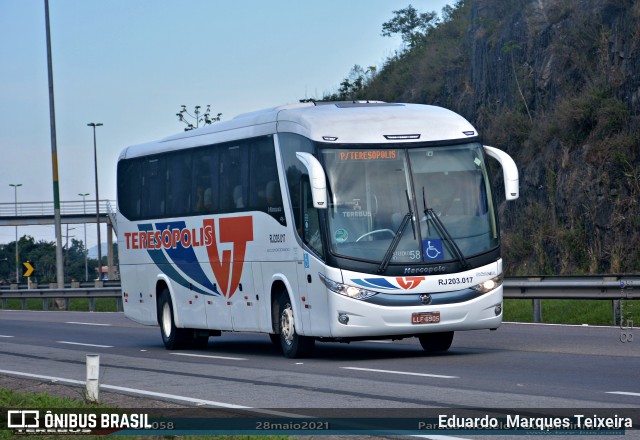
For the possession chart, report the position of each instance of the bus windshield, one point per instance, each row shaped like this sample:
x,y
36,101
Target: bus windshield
x,y
443,190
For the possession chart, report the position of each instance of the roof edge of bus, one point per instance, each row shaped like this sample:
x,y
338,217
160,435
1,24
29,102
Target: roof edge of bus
x,y
294,118
268,115
274,110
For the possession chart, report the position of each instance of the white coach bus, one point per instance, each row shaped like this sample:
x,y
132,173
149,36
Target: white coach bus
x,y
334,221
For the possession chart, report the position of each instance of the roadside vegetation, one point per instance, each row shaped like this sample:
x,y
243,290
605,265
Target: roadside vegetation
x,y
42,256
43,401
566,311
75,304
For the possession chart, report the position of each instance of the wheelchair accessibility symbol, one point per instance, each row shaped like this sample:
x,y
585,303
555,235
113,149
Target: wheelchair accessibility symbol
x,y
432,250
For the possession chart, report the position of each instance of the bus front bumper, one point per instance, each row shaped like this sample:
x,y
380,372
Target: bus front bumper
x,y
356,318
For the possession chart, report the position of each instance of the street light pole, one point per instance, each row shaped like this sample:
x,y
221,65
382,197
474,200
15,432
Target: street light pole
x,y
54,156
86,250
95,164
15,193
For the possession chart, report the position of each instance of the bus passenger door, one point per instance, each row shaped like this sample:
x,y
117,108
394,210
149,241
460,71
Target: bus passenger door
x,y
314,305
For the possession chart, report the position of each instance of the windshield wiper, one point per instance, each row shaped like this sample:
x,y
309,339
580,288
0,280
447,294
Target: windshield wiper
x,y
442,230
396,239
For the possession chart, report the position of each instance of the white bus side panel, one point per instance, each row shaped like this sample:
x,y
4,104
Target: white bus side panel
x,y
315,309
134,308
208,264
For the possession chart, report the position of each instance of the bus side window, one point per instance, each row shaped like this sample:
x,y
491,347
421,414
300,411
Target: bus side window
x,y
205,182
311,219
178,197
234,176
153,187
129,185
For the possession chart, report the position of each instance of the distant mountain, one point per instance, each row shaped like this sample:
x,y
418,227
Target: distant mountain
x,y
93,251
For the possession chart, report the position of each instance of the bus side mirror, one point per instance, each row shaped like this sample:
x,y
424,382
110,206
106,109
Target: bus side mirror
x,y
317,179
509,170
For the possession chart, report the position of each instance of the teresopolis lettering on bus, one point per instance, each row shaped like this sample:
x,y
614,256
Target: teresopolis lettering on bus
x,y
177,241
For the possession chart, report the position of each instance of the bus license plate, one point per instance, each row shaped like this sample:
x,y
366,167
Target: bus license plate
x,y
425,318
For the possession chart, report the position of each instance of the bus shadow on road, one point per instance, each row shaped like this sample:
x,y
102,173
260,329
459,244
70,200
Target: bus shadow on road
x,y
258,345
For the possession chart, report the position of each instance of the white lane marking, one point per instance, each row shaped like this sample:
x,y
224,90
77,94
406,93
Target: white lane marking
x,y
85,345
5,336
378,341
87,323
174,397
440,437
209,356
623,393
198,402
407,373
129,390
544,324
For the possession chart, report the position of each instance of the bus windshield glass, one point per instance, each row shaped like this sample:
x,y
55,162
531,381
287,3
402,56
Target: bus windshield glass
x,y
372,190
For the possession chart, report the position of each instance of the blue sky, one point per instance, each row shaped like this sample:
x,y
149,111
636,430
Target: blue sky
x,y
131,64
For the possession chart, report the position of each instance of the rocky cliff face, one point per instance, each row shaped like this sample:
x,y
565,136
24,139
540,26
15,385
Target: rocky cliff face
x,y
557,85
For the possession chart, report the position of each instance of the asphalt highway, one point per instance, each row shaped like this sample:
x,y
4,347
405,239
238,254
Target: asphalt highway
x,y
517,366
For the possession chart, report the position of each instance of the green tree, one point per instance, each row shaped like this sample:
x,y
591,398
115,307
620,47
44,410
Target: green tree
x,y
352,86
413,26
42,255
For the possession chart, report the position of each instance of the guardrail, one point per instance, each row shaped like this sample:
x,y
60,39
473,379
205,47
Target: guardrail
x,y
611,287
573,287
62,297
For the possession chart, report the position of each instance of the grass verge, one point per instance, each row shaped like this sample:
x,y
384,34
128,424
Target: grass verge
x,y
568,311
17,400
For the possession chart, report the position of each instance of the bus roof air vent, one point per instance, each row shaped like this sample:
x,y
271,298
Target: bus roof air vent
x,y
401,137
352,104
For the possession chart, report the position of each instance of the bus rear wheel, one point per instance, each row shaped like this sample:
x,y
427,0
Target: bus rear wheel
x,y
173,338
435,342
293,345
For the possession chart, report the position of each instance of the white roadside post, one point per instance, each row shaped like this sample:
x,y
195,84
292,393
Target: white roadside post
x,y
93,376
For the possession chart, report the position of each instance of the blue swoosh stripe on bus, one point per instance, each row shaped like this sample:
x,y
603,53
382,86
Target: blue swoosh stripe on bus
x,y
163,264
376,283
185,257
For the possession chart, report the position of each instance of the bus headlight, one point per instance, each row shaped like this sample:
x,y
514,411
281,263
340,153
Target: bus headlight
x,y
343,289
489,285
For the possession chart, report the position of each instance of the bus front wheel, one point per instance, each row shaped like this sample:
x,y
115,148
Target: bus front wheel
x,y
173,338
435,342
293,345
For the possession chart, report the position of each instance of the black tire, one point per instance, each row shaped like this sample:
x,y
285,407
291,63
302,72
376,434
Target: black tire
x,y
173,338
435,342
293,345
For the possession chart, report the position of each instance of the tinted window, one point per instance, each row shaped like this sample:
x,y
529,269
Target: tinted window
x,y
154,182
129,184
230,177
233,187
178,186
205,190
